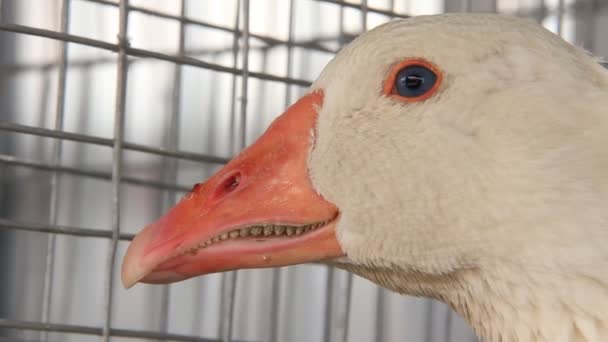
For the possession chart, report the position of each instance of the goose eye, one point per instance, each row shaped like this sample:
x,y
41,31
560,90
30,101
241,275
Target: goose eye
x,y
412,80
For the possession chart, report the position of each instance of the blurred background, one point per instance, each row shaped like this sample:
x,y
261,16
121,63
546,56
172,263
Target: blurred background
x,y
111,110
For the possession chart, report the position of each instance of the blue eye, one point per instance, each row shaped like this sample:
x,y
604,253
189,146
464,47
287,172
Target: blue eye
x,y
414,81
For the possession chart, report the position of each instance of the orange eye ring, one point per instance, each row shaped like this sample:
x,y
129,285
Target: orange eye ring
x,y
389,89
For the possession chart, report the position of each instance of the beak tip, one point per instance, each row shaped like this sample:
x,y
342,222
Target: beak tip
x,y
131,277
134,264
127,278
131,272
127,283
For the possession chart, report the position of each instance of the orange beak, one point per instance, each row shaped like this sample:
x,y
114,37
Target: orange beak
x,y
260,210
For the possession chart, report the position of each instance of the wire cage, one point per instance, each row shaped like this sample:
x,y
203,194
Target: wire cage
x,y
112,109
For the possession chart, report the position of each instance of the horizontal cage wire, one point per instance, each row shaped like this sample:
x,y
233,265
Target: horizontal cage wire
x,y
112,109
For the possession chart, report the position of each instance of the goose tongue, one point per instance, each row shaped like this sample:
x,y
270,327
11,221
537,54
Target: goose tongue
x,y
264,194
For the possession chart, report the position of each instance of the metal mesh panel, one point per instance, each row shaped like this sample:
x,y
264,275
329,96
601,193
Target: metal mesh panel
x,y
112,109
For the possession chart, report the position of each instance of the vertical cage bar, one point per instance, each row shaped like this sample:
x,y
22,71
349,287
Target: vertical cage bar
x,y
341,27
245,76
380,305
5,8
581,14
329,301
591,13
225,301
276,273
232,277
448,324
275,305
347,305
56,160
363,15
235,61
560,17
119,122
428,328
542,11
169,170
290,39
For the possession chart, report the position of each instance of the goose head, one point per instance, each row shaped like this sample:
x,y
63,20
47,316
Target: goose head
x,y
460,157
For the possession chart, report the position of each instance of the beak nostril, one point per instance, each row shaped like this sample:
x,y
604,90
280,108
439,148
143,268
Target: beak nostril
x,y
232,182
228,185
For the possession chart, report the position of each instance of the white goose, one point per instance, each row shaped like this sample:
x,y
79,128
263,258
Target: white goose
x,y
459,157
